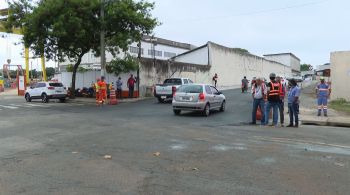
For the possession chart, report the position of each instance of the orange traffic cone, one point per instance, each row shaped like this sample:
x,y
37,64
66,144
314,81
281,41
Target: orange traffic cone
x,y
112,97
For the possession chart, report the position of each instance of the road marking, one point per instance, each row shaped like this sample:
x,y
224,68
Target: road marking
x,y
9,107
36,105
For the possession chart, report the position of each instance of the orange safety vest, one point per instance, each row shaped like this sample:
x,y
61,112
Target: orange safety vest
x,y
102,85
282,90
275,91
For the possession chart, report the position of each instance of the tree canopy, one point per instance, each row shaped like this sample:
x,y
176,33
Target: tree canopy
x,y
306,67
67,30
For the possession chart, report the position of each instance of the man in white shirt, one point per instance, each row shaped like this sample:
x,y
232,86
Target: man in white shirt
x,y
259,92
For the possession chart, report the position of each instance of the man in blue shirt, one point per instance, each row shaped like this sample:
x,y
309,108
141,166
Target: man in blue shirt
x,y
323,92
293,104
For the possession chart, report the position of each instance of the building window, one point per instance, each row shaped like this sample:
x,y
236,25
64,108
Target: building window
x,y
157,53
135,50
169,54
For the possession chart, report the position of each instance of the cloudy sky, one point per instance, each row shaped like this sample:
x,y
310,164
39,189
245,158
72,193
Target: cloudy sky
x,y
310,29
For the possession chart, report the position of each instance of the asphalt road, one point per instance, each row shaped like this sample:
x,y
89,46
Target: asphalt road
x,y
59,149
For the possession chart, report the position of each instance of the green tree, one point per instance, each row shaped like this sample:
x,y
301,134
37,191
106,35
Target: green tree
x,y
50,72
118,66
70,29
306,67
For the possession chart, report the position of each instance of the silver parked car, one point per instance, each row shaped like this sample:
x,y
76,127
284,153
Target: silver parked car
x,y
198,97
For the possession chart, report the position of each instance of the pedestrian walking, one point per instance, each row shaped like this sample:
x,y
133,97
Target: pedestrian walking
x,y
273,97
131,85
293,104
102,85
281,102
119,84
244,84
215,79
259,92
323,92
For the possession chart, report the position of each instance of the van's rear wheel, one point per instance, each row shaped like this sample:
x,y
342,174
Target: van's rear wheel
x,y
206,111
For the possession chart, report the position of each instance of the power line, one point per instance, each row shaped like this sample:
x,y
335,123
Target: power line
x,y
253,12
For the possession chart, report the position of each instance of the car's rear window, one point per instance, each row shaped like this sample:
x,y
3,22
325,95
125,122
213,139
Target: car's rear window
x,y
173,81
191,89
56,84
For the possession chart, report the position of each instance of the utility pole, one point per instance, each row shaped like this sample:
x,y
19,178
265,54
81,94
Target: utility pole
x,y
138,69
103,55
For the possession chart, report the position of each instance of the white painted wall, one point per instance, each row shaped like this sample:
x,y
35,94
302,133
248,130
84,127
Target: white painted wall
x,y
340,75
286,59
231,66
198,56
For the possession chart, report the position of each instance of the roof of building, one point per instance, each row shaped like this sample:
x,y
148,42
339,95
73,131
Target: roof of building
x,y
162,41
279,54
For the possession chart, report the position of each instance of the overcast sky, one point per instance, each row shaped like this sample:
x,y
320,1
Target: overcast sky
x,y
310,29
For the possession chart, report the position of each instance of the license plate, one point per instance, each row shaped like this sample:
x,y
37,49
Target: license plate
x,y
186,98
163,97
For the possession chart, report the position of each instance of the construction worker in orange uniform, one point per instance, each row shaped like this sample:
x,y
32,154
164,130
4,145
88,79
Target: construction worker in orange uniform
x,y
102,85
96,88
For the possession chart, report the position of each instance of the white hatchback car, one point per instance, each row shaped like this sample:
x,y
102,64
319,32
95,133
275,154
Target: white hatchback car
x,y
46,91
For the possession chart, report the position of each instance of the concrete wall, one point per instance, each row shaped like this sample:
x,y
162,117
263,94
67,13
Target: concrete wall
x,y
340,77
231,66
197,56
87,78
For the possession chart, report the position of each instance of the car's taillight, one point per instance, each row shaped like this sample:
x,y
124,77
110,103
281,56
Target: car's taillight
x,y
173,90
51,88
201,96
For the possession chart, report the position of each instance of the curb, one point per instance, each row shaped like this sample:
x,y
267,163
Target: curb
x,y
333,122
92,100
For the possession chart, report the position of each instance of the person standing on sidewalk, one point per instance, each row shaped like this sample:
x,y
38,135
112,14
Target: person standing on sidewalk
x,y
293,104
119,84
259,92
323,92
281,102
273,97
131,85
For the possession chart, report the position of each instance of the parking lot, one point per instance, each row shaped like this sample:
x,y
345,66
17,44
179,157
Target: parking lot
x,y
59,149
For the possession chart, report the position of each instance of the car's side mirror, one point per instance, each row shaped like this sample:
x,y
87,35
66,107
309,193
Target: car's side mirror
x,y
219,93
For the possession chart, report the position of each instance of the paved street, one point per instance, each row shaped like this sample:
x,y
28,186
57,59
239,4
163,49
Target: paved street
x,y
59,149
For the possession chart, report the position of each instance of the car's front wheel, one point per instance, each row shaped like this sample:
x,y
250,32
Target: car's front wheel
x,y
206,111
28,98
177,112
45,98
223,106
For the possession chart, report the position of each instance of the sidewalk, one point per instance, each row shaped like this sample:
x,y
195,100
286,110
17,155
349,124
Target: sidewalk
x,y
93,101
308,111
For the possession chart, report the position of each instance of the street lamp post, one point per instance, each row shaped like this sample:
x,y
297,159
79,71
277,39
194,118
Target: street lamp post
x,y
138,69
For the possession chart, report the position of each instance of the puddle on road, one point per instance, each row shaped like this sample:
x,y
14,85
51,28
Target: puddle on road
x,y
266,161
178,146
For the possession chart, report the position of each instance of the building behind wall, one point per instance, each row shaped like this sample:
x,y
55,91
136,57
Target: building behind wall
x,y
151,47
340,68
287,59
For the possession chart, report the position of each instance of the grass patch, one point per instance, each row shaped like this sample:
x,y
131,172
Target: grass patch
x,y
340,105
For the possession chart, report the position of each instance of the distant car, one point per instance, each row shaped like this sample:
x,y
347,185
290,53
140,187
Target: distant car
x,y
198,97
165,91
46,91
